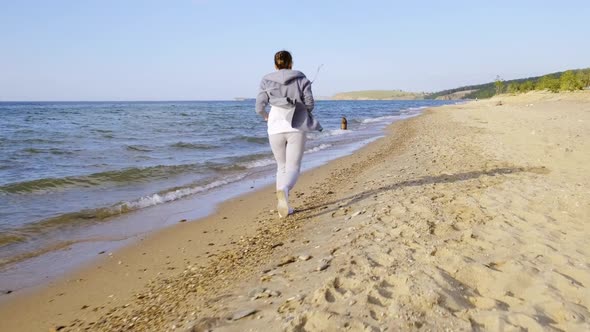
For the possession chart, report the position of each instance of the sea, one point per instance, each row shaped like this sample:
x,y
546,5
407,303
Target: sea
x,y
79,177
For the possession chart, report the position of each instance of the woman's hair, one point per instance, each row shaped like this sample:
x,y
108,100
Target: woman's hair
x,y
283,60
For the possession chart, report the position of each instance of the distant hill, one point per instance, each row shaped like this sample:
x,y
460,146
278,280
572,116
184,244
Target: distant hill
x,y
550,82
378,95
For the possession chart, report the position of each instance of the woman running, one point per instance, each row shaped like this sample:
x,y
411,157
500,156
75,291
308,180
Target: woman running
x,y
289,94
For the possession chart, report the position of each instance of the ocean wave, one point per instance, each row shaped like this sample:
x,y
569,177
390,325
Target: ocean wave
x,y
328,133
102,131
25,131
380,119
128,175
258,163
412,110
28,141
196,146
417,108
261,160
253,160
4,261
171,195
7,238
223,167
252,139
49,151
90,216
140,148
318,148
45,184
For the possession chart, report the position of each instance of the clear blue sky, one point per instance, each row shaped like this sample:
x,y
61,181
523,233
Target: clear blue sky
x,y
219,49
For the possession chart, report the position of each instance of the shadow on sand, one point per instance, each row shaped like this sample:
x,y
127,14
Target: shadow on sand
x,y
425,180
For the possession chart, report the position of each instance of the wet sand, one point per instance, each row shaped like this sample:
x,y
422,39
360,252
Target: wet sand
x,y
472,216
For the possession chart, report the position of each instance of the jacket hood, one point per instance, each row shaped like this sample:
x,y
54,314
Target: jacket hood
x,y
284,76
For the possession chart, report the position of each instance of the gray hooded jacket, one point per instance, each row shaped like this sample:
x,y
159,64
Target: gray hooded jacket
x,y
294,85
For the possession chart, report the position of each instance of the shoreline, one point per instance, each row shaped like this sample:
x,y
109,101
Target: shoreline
x,y
90,264
405,233
125,229
103,266
100,224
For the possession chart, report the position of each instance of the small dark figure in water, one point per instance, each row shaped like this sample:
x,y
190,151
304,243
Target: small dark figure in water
x,y
344,124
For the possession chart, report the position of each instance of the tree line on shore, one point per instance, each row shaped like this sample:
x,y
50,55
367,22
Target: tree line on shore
x,y
570,80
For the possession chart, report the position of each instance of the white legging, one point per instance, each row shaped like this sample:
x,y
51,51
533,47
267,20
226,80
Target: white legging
x,y
288,150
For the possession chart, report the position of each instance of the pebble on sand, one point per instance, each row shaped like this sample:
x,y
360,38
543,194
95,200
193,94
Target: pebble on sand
x,y
286,260
356,213
278,244
325,263
243,313
323,266
261,292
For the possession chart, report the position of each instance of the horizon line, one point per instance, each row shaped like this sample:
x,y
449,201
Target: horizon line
x,y
122,101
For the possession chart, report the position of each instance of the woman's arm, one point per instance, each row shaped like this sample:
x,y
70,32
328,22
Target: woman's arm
x,y
262,101
308,95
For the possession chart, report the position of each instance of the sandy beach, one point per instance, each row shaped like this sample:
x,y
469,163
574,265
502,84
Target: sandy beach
x,y
468,217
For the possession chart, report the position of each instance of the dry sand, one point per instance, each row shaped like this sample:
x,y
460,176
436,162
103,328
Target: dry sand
x,y
469,217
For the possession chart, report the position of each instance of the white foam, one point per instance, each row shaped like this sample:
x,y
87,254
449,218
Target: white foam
x,y
160,198
258,163
381,119
417,108
328,133
270,161
337,132
412,111
318,148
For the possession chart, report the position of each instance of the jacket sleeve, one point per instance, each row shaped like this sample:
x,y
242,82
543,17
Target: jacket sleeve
x,y
308,95
262,100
